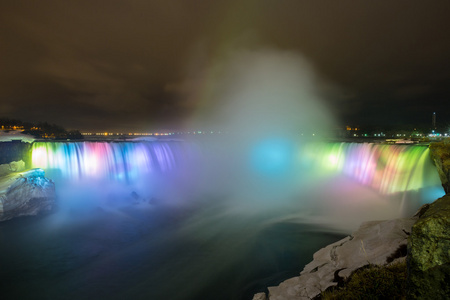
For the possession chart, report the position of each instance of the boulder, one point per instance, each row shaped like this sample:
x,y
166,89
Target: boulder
x,y
429,253
25,193
375,242
260,296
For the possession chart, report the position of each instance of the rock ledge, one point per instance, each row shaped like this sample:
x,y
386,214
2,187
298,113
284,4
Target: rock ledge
x,y
375,242
25,193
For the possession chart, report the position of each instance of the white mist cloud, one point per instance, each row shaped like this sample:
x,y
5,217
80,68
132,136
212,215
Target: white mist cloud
x,y
264,91
265,99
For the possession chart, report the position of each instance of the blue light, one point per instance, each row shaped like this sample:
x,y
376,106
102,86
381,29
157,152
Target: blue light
x,y
430,194
272,157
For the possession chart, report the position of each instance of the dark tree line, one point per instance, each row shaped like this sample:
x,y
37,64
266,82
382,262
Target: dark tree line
x,y
9,123
42,129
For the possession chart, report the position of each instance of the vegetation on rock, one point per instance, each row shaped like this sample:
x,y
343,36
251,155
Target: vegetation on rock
x,y
440,154
429,253
372,282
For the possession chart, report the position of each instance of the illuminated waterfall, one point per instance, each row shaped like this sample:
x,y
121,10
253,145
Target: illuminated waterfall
x,y
314,180
121,161
386,168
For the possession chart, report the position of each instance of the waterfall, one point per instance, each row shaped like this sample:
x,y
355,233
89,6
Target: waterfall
x,y
386,168
118,161
174,166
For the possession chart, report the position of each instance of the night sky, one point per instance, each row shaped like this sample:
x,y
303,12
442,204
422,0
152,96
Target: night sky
x,y
142,65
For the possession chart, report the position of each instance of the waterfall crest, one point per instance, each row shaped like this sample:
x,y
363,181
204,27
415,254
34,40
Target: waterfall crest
x,y
386,168
121,161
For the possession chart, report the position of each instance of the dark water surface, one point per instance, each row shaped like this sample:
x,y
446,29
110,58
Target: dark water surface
x,y
151,252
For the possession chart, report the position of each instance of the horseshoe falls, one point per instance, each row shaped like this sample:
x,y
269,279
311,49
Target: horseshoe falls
x,y
201,220
386,168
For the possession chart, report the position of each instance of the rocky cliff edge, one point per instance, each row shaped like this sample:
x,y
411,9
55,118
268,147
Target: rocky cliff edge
x,y
375,242
440,154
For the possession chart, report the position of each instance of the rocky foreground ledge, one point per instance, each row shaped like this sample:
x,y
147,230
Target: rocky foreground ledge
x,y
424,238
25,193
375,242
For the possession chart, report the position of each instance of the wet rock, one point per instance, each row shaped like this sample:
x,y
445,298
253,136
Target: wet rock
x,y
135,198
135,195
260,296
429,253
25,193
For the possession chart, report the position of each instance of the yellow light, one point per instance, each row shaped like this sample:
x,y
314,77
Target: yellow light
x,y
333,159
